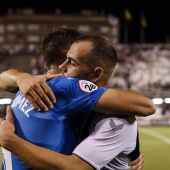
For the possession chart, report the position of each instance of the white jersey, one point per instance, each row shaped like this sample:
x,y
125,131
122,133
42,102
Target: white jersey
x,y
112,143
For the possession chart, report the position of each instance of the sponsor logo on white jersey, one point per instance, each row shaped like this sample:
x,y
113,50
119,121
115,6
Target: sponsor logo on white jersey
x,y
87,86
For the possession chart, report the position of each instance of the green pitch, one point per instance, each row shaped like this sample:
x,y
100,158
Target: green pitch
x,y
155,145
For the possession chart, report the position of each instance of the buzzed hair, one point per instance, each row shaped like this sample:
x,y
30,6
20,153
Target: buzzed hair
x,y
102,54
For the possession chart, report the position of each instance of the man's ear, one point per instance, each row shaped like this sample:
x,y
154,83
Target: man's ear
x,y
98,73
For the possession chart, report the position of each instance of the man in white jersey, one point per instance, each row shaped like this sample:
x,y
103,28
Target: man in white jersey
x,y
114,138
70,62
109,135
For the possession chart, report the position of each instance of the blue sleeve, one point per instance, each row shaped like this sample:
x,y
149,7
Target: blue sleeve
x,y
74,96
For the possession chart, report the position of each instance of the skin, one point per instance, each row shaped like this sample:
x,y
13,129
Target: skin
x,y
10,80
72,67
34,89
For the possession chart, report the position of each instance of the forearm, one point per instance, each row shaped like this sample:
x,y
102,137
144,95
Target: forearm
x,y
39,158
8,80
125,102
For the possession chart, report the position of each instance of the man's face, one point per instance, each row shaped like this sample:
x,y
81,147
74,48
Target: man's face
x,y
76,64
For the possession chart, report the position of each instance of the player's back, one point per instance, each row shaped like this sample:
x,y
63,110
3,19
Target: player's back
x,y
59,128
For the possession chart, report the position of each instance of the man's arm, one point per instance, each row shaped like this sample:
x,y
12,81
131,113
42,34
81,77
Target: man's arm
x,y
45,159
34,88
124,102
8,80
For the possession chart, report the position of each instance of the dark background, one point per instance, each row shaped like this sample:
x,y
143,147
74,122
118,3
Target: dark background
x,y
156,13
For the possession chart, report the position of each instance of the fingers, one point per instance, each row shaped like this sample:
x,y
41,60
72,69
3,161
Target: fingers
x,y
47,95
139,159
9,115
35,105
37,92
137,164
51,75
45,98
41,97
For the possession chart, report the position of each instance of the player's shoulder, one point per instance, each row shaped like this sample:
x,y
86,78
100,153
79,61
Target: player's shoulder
x,y
62,79
84,85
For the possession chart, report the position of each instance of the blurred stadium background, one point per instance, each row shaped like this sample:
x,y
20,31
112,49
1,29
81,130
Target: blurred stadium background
x,y
143,55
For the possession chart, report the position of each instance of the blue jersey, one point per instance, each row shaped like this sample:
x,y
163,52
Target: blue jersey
x,y
59,129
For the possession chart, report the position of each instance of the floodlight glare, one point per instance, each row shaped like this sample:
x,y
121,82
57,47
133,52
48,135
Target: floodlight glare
x,y
157,100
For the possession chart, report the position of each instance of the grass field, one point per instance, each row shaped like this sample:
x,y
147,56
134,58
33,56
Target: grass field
x,y
155,145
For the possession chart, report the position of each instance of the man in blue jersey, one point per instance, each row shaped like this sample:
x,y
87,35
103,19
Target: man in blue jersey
x,y
23,103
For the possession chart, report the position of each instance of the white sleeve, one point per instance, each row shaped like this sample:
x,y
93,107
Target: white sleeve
x,y
107,141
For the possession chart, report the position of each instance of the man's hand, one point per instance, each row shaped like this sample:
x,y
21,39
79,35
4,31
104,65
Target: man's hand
x,y
138,163
7,127
36,90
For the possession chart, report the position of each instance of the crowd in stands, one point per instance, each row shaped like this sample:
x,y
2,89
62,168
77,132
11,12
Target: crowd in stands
x,y
23,57
142,68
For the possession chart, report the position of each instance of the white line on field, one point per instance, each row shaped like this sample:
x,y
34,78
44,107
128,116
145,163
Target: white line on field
x,y
156,135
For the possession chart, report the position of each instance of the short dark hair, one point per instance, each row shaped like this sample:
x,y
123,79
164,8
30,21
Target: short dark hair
x,y
56,44
102,54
